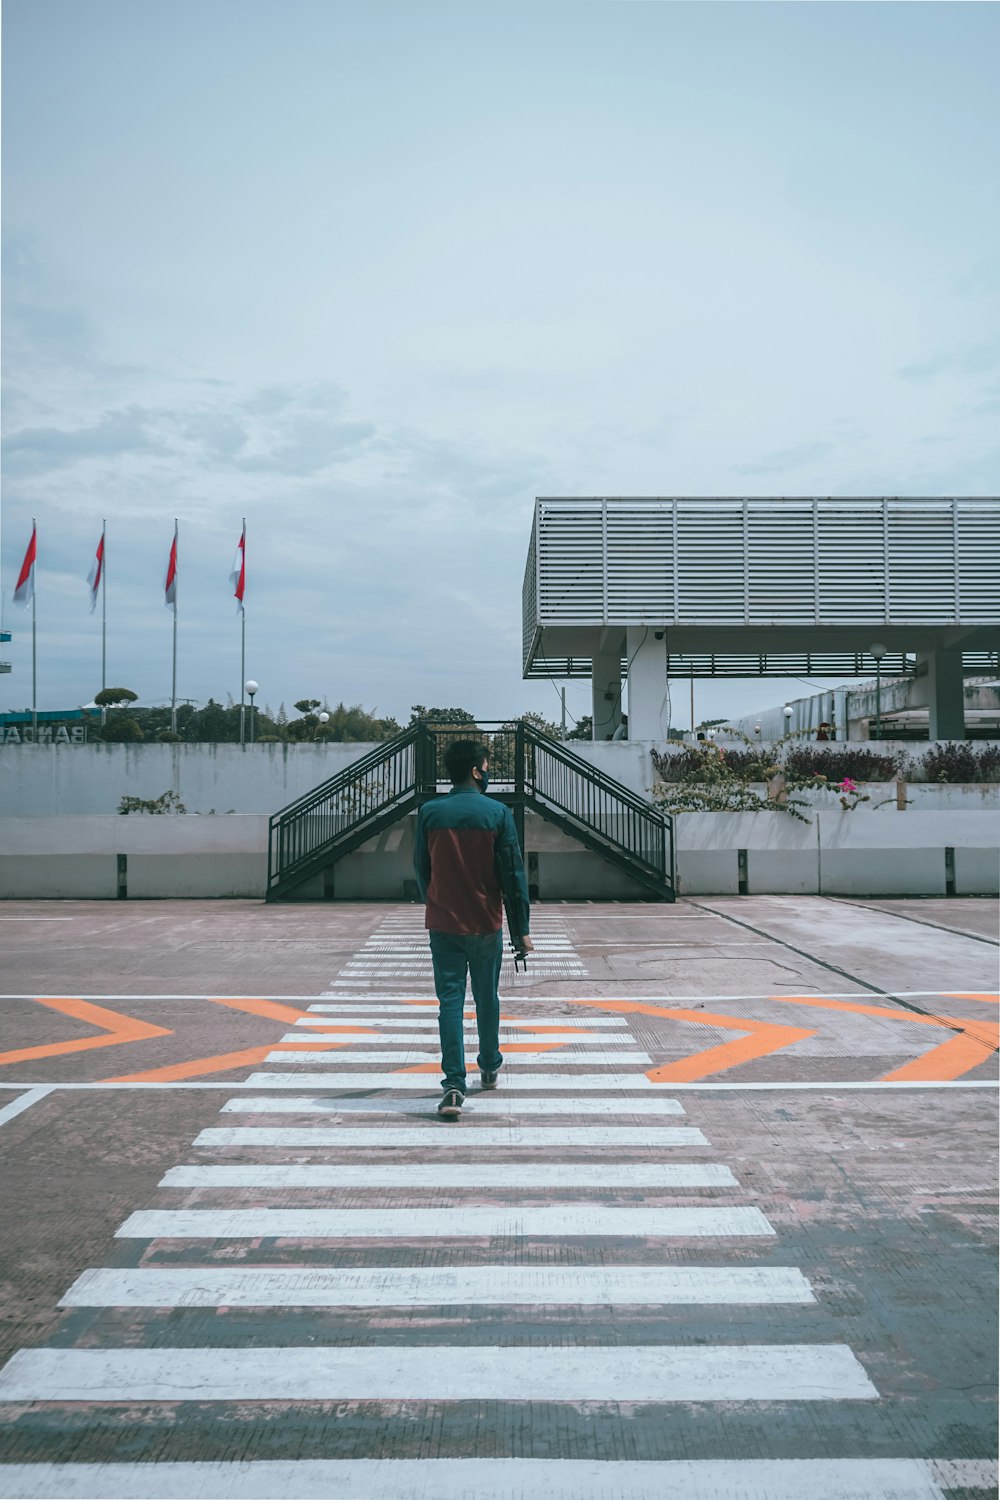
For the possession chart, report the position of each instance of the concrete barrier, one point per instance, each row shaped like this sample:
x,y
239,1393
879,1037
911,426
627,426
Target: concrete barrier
x,y
864,852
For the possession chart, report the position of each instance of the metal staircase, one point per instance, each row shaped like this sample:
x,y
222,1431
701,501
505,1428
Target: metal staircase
x,y
527,770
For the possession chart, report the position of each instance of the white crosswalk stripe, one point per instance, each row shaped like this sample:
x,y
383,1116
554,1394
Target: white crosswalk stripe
x,y
429,1286
434,1136
473,1222
622,1083
477,1105
762,1372
410,1055
528,1174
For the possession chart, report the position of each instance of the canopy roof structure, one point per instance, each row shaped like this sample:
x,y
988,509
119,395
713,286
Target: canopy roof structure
x,y
766,587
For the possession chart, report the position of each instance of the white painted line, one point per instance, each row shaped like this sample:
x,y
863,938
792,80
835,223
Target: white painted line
x,y
657,1373
38,919
418,1038
526,1023
437,1134
18,1106
606,1082
473,1221
564,1057
408,995
359,1008
433,1286
449,1175
476,1104
499,1479
280,1081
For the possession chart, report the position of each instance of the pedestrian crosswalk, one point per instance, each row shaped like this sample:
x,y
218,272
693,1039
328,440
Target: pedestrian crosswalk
x,y
494,1304
397,953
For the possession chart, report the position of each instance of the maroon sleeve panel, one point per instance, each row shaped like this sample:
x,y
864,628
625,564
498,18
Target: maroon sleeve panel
x,y
463,893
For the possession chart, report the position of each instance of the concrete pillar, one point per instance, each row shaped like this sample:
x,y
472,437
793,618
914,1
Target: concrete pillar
x,y
606,689
945,694
648,715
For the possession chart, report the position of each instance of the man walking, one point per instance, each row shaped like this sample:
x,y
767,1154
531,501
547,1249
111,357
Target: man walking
x,y
464,841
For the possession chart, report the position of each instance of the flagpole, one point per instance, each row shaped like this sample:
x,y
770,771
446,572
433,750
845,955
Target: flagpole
x,y
34,638
104,604
173,686
243,648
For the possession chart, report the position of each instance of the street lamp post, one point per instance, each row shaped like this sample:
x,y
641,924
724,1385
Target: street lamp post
x,y
878,651
788,711
324,719
251,688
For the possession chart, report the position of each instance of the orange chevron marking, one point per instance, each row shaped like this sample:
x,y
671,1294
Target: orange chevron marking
x,y
764,1037
950,1060
976,1040
271,1009
119,1029
225,1062
965,995
197,1067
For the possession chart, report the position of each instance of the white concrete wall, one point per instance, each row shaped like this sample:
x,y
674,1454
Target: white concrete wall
x,y
56,780
859,853
50,780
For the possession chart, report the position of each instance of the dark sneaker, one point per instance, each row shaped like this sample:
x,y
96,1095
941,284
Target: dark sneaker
x,y
489,1080
451,1104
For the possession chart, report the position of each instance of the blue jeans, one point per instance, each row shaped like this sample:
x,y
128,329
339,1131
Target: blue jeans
x,y
458,957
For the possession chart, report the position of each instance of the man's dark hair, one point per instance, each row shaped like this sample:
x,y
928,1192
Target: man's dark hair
x,y
460,758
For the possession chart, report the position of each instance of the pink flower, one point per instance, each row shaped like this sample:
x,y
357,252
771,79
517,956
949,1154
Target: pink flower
x,y
847,785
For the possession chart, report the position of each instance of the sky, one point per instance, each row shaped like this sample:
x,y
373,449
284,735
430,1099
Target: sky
x,y
375,274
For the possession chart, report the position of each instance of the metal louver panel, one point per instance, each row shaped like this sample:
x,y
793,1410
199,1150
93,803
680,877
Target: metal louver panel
x,y
711,583
762,562
781,563
640,560
978,564
571,567
922,564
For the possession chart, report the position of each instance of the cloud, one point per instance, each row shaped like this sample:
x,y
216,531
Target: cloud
x,y
786,458
36,449
974,359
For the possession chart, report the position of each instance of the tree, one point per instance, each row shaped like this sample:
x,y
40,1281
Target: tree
x,y
121,730
544,725
114,697
450,716
306,705
583,729
118,728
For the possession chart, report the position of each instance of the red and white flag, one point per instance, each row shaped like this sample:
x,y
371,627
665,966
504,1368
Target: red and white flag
x,y
24,591
170,582
238,577
96,575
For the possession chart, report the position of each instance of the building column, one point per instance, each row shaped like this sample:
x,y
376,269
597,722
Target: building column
x,y
606,690
945,694
647,684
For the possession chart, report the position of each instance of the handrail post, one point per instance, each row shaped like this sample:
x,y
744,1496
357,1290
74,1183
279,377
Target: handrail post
x,y
519,748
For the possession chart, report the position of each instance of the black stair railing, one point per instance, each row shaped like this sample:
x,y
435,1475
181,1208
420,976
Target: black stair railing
x,y
379,785
528,769
558,781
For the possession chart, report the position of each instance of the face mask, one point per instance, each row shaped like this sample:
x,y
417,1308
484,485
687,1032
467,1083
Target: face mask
x,y
484,780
